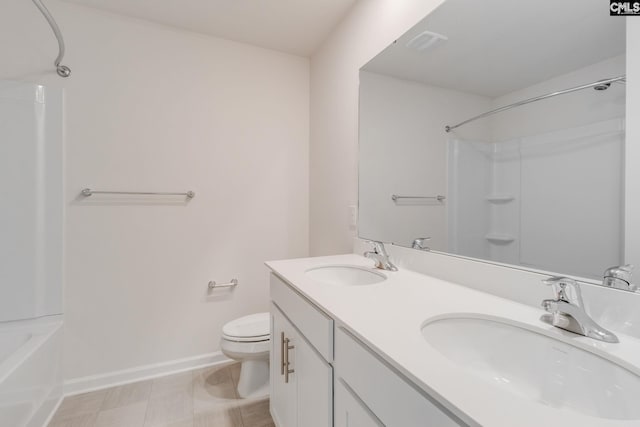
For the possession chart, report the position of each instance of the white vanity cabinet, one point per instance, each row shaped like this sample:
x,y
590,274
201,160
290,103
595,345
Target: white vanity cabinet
x,y
301,377
331,369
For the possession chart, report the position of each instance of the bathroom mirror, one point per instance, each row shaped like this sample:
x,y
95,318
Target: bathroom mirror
x,y
538,184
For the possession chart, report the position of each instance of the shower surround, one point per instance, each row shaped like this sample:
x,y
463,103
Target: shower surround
x,y
31,252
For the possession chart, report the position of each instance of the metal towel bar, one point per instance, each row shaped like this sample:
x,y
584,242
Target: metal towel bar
x,y
439,198
88,192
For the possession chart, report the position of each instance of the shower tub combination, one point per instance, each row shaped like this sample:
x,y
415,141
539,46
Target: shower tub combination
x,y
31,226
30,377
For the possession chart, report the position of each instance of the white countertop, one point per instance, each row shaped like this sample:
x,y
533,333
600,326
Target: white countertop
x,y
388,317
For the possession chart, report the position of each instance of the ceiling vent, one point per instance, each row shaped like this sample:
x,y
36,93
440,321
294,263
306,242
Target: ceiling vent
x,y
426,40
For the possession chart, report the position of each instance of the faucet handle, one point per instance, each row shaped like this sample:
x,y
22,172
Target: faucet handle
x,y
378,247
380,256
622,272
619,277
418,243
560,283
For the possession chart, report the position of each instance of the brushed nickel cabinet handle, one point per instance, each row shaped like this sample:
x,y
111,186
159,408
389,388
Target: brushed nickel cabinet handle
x,y
287,371
282,351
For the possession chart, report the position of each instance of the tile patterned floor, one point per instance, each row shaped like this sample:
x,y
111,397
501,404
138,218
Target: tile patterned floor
x,y
201,398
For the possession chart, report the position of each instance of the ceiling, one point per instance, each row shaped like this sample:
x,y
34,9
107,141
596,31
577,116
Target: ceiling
x,y
293,26
495,47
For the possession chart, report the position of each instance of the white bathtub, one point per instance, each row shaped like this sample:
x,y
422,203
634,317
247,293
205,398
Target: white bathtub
x,y
30,377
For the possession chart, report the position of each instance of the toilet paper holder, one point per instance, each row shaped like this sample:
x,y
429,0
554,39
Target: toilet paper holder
x,y
232,284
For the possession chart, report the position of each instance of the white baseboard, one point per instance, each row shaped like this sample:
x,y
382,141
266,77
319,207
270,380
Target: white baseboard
x,y
126,376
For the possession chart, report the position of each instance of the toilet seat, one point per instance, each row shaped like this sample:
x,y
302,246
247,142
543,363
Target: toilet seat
x,y
252,328
246,339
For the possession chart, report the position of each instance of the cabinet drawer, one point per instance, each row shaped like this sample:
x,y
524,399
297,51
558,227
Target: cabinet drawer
x,y
310,321
393,400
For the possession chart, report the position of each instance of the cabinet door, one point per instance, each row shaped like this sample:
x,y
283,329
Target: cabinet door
x,y
314,381
350,411
283,395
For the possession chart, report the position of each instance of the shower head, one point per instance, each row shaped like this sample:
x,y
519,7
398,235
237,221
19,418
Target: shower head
x,y
603,86
606,83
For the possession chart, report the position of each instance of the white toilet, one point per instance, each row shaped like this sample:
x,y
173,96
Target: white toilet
x,y
247,340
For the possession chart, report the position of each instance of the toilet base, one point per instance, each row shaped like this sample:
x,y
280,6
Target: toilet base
x,y
254,378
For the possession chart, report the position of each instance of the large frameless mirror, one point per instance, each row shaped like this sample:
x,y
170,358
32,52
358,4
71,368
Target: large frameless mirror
x,y
495,130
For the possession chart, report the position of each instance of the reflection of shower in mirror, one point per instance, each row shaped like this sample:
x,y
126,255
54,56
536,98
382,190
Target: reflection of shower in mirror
x,y
531,166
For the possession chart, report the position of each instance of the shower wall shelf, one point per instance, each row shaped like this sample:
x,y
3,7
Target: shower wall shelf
x,y
500,198
499,238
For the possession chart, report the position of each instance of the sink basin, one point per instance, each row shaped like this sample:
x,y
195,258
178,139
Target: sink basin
x,y
536,367
345,275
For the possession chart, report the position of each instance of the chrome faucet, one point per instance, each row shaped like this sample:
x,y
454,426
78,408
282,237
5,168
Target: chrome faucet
x,y
567,311
419,243
380,256
619,277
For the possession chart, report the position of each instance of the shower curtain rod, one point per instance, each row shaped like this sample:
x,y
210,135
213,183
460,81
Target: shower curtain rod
x,y
62,70
603,83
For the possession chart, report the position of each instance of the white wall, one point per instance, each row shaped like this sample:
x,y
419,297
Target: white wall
x,y
153,108
370,27
403,150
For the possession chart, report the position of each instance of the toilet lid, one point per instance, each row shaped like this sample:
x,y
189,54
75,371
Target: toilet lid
x,y
253,326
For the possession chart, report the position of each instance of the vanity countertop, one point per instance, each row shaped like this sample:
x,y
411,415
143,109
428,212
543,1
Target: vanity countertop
x,y
388,317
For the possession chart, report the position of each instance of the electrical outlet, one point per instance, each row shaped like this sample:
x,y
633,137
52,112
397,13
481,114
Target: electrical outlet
x,y
353,217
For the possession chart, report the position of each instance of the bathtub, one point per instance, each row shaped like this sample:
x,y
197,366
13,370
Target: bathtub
x,y
30,376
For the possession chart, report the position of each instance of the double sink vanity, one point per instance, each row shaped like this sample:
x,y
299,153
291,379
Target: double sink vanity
x,y
492,159
355,345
